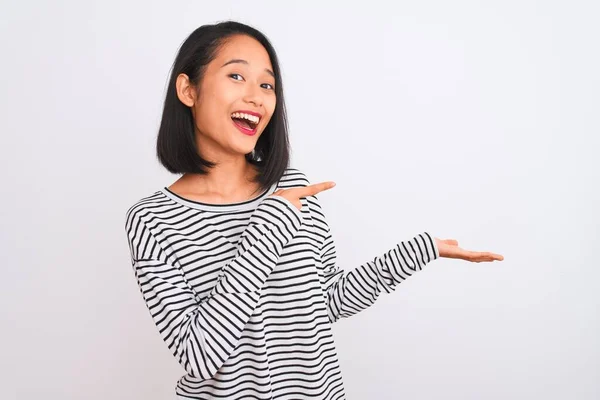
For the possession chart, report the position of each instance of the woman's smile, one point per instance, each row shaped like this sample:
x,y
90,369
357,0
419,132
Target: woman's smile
x,y
246,121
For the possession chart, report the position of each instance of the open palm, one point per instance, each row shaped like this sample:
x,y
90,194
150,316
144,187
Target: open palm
x,y
448,248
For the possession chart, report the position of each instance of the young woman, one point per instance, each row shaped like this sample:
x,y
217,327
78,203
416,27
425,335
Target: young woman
x,y
235,259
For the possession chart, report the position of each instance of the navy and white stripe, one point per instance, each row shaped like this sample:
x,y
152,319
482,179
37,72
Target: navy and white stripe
x,y
244,294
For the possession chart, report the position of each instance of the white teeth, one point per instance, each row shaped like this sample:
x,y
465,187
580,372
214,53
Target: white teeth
x,y
249,117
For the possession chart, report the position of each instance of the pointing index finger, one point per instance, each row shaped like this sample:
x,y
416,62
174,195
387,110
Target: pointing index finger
x,y
313,189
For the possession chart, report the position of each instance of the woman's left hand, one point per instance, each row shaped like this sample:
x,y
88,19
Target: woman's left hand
x,y
449,249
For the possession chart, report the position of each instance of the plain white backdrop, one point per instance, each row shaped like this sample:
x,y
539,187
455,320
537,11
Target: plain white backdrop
x,y
471,120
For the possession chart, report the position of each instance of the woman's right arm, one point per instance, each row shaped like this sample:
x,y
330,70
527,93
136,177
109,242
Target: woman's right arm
x,y
202,333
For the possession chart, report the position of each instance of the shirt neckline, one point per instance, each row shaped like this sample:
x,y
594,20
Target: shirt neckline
x,y
239,206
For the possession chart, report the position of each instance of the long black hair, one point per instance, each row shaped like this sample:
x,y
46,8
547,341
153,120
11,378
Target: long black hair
x,y
176,143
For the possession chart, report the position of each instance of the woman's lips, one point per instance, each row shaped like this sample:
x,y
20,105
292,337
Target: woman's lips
x,y
243,129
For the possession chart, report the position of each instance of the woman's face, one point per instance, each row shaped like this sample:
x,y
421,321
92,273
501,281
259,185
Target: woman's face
x,y
236,99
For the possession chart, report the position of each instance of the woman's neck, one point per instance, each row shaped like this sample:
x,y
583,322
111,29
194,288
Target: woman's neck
x,y
225,183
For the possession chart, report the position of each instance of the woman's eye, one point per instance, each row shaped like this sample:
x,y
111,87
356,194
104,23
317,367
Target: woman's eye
x,y
237,77
267,86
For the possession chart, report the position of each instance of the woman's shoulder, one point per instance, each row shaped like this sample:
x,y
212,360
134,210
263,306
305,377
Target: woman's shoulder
x,y
296,177
293,177
144,206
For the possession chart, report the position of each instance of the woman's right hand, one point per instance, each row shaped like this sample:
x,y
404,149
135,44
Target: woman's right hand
x,y
295,194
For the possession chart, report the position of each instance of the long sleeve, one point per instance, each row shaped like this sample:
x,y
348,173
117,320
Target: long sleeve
x,y
202,333
349,292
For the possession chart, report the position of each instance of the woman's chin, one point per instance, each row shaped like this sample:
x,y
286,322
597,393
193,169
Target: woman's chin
x,y
243,151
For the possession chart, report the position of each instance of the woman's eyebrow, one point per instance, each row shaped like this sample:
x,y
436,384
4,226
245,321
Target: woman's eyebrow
x,y
240,61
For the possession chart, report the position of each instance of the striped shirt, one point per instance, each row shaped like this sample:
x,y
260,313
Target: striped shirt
x,y
244,294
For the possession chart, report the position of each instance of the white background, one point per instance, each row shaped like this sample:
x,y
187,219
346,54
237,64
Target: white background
x,y
470,120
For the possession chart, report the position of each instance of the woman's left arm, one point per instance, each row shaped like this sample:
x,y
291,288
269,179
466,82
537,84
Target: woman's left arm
x,y
349,292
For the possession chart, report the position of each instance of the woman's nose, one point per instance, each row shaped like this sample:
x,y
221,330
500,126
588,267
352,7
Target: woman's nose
x,y
253,96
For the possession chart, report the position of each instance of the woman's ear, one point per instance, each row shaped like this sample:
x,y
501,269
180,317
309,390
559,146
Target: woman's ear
x,y
185,90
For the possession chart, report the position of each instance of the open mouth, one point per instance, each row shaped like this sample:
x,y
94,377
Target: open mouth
x,y
245,121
